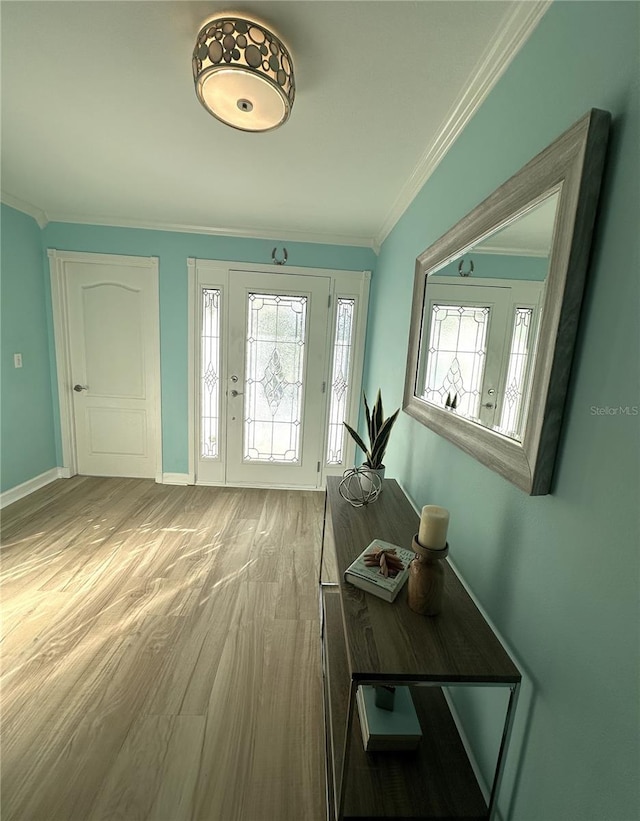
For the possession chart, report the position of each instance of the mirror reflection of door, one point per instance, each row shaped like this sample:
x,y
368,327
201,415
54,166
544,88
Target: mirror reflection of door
x,y
481,315
279,371
479,349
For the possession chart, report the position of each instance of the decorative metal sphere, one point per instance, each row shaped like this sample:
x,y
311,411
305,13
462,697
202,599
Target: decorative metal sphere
x,y
360,486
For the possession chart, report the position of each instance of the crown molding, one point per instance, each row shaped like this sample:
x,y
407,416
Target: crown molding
x,y
510,251
274,234
522,19
26,207
516,29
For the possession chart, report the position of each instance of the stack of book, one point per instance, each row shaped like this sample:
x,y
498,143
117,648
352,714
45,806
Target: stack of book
x,y
372,578
387,730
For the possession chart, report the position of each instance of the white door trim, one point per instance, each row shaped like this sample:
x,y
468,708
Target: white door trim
x,y
59,301
349,284
356,288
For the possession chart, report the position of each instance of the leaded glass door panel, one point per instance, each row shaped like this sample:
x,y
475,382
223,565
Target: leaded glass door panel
x,y
477,348
274,393
465,343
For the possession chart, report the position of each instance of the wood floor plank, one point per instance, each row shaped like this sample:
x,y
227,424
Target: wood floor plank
x,y
160,654
35,737
270,737
144,750
268,539
184,683
175,796
82,736
23,639
227,753
298,577
287,753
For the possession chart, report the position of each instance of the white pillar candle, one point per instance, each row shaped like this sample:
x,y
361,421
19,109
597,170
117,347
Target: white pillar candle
x,y
434,523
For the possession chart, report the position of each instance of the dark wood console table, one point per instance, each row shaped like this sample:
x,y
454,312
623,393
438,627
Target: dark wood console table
x,y
366,640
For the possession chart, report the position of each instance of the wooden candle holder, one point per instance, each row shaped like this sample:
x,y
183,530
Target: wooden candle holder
x,y
426,579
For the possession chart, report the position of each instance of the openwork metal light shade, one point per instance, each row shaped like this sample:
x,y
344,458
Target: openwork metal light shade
x,y
243,74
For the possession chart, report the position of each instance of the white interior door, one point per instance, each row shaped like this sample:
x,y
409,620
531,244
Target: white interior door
x,y
112,327
277,348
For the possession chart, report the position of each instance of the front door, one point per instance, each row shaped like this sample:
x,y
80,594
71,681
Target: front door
x,y
276,358
112,382
263,362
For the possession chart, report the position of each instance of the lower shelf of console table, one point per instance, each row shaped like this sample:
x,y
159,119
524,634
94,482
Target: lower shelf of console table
x,y
437,780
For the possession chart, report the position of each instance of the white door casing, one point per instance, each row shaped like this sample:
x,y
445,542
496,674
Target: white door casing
x,y
106,322
221,336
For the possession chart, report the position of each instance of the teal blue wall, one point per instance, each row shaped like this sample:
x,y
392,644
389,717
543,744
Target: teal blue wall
x,y
173,249
26,425
558,575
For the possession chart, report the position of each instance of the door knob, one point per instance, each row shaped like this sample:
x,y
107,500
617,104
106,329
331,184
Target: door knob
x,y
79,388
488,405
235,393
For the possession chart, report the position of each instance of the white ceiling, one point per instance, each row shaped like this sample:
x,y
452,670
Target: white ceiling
x,y
530,234
100,122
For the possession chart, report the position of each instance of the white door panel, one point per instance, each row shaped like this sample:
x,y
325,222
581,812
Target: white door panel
x,y
113,314
113,343
277,349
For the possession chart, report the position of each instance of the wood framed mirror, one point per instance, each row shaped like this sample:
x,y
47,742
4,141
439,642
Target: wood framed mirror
x,y
496,303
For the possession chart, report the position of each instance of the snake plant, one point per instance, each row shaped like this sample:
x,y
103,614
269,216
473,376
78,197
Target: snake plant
x,y
379,430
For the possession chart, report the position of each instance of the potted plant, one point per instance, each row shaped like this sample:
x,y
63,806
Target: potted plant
x,y
379,430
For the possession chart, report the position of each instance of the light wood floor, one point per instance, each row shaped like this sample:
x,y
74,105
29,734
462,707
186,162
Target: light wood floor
x,y
160,654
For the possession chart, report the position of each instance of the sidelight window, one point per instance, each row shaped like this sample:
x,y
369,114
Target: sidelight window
x,y
340,379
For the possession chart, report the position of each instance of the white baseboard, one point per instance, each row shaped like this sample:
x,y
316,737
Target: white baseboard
x,y
31,485
176,479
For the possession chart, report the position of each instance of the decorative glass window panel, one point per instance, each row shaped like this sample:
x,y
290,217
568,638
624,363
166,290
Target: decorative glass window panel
x,y
210,374
274,377
512,405
339,397
457,356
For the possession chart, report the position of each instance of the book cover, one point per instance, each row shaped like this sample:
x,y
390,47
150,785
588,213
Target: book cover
x,y
372,579
397,729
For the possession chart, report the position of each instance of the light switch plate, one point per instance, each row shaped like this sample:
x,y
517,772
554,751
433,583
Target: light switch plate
x,y
17,360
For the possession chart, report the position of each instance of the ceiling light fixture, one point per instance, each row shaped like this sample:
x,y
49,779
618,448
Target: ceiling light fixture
x,y
243,74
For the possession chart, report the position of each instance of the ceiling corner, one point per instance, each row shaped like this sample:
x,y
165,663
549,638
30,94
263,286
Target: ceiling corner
x,y
26,207
518,25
